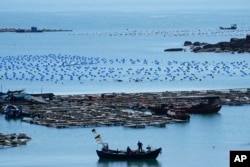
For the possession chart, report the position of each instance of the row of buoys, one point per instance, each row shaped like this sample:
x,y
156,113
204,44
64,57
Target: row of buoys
x,y
164,33
59,68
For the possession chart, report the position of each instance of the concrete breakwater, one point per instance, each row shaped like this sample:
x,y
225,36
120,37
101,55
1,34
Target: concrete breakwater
x,y
114,109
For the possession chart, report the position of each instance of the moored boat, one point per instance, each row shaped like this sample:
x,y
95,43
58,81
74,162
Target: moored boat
x,y
189,104
12,111
178,114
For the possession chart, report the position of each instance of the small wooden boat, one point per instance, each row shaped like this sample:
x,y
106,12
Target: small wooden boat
x,y
12,111
139,154
106,153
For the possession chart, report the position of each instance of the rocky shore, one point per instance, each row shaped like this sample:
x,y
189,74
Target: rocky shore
x,y
235,45
114,109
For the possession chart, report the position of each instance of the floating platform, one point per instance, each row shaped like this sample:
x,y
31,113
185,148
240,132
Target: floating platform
x,y
115,109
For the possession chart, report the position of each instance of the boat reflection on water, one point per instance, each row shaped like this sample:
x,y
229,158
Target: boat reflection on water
x,y
128,163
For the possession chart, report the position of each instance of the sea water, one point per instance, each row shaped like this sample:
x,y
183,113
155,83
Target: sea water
x,y
118,46
124,44
203,141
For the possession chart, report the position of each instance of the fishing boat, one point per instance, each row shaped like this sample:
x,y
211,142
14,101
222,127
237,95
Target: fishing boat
x,y
106,153
12,111
201,108
233,27
189,104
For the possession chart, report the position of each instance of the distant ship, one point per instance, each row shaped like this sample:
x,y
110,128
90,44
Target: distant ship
x,y
233,27
12,111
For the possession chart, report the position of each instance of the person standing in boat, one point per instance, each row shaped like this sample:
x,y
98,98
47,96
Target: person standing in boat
x,y
139,144
128,150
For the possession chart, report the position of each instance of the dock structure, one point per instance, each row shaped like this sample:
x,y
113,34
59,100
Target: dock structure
x,y
114,109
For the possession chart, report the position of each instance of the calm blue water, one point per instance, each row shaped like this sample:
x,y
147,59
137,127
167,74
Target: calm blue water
x,y
117,46
204,141
121,41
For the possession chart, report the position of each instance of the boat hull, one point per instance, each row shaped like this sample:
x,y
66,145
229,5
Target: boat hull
x,y
120,155
189,104
198,109
203,110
